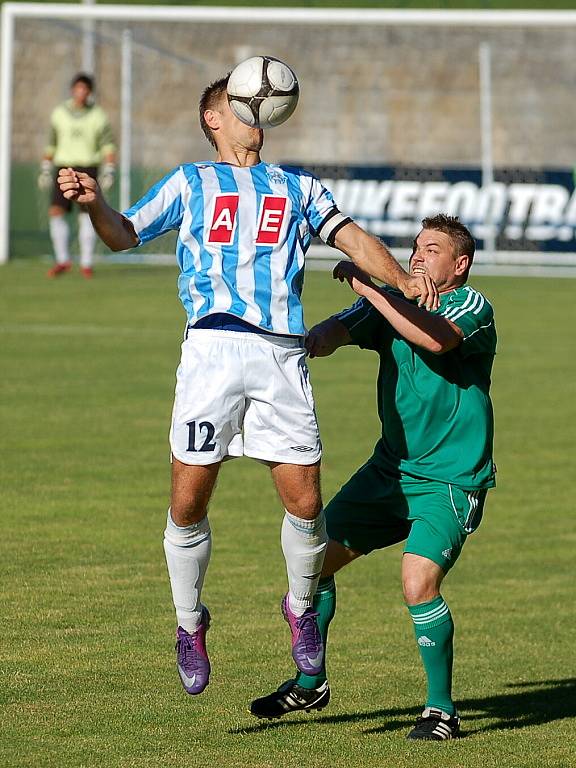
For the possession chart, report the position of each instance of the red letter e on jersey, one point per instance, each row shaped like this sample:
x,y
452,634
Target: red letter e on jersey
x,y
271,219
224,219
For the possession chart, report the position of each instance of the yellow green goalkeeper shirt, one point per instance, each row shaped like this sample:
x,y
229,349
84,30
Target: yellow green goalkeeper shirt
x,y
436,413
79,137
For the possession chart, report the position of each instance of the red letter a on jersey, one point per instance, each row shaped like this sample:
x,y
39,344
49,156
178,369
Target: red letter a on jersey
x,y
224,219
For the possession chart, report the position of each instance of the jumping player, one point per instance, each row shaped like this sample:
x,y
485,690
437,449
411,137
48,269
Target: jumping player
x,y
242,384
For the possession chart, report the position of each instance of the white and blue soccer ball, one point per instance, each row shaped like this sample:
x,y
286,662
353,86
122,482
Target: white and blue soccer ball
x,y
263,91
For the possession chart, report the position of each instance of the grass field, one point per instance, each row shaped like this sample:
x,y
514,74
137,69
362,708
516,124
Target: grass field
x,y
87,666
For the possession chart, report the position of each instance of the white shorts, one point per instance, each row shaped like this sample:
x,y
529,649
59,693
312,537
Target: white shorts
x,y
243,394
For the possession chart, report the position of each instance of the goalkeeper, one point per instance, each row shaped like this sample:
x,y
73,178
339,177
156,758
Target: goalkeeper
x,y
80,136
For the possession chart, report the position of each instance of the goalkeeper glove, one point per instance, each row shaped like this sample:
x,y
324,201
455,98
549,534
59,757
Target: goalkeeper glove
x,y
45,176
106,176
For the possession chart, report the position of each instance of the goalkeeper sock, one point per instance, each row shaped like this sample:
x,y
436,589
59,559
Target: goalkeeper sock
x,y
60,236
86,240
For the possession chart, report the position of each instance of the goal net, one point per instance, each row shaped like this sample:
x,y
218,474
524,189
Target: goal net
x,y
402,113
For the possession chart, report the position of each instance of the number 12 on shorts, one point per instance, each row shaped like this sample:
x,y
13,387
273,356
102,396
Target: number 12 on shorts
x,y
205,432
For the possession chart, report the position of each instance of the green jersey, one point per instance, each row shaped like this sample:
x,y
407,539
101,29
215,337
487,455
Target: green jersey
x,y
79,137
436,413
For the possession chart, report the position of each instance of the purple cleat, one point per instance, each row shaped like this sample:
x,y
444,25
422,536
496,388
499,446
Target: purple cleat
x,y
191,657
307,645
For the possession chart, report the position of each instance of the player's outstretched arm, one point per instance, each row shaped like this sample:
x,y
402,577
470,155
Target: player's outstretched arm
x,y
112,228
431,332
372,256
325,337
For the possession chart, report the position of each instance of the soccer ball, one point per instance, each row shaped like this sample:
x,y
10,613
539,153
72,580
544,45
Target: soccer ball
x,y
263,91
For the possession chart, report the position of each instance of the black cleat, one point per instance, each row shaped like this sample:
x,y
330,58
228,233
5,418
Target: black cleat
x,y
435,725
291,697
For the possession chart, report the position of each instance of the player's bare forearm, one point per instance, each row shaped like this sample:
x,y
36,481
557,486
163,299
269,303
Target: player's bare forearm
x,y
372,257
431,332
416,325
111,227
326,337
370,254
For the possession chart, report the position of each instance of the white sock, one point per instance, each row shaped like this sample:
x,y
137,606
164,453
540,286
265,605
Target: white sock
x,y
187,552
304,545
86,239
60,235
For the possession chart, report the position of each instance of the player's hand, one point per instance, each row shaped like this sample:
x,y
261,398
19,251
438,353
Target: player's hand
x,y
106,176
325,338
356,278
78,187
315,343
45,178
423,288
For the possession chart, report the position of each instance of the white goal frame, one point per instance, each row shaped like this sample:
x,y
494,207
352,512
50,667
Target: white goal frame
x,y
11,12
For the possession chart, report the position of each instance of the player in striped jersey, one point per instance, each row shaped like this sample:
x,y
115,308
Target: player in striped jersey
x,y
427,480
242,385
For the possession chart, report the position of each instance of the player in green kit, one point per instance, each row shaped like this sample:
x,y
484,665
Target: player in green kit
x,y
427,479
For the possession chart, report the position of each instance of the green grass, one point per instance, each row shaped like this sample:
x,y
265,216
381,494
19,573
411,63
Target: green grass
x,y
86,624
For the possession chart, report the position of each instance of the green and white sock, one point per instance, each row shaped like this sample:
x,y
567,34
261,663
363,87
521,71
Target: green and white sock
x,y
434,634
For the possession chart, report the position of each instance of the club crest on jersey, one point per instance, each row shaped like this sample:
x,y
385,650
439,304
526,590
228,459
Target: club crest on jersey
x,y
270,220
276,177
224,219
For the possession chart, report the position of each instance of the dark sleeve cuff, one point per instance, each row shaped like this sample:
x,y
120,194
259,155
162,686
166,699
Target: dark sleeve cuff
x,y
331,225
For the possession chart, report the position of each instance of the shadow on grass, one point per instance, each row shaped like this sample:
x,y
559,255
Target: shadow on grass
x,y
519,706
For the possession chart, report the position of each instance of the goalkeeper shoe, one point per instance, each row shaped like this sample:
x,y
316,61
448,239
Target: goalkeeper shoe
x,y
60,269
291,697
307,645
192,659
435,725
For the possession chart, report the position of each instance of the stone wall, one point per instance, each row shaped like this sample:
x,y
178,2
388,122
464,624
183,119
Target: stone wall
x,y
368,94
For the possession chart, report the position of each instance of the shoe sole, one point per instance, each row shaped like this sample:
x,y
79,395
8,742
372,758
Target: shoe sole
x,y
317,707
288,712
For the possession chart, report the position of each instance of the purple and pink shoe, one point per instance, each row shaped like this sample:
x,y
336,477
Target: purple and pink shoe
x,y
191,657
307,645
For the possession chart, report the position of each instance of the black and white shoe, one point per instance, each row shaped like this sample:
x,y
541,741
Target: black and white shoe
x,y
291,697
435,725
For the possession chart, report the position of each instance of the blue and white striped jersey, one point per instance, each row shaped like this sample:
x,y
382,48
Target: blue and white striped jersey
x,y
242,237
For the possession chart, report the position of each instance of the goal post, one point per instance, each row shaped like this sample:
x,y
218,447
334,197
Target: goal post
x,y
402,113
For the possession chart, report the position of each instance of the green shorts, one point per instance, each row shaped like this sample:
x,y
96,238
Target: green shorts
x,y
375,510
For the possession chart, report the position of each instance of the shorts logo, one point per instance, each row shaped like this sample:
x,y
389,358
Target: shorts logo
x,y
425,642
224,219
270,220
447,553
301,448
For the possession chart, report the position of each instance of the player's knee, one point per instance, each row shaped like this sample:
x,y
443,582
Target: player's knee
x,y
306,506
179,535
421,579
189,511
419,588
416,592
